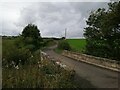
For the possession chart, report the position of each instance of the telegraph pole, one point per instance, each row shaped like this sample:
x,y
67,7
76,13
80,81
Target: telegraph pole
x,y
65,32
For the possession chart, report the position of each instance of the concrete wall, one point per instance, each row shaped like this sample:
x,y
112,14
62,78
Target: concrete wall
x,y
101,62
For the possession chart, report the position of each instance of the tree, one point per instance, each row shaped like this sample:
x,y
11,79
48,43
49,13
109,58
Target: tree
x,y
31,31
103,32
32,38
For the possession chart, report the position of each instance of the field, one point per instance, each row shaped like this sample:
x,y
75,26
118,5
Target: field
x,y
77,44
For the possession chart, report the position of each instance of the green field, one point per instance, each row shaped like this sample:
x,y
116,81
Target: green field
x,y
0,47
77,44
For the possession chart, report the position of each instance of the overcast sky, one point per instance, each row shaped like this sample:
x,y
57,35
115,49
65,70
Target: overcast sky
x,y
51,17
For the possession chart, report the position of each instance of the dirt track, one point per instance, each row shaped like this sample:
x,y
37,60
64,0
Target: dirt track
x,y
99,77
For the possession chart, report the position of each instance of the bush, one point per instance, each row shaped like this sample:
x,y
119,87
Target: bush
x,y
64,45
49,42
11,53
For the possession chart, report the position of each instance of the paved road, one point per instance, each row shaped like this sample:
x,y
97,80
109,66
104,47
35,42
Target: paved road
x,y
99,77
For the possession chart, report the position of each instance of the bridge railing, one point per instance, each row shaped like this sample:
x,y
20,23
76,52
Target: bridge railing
x,y
98,61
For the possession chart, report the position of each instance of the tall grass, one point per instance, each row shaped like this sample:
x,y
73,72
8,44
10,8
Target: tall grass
x,y
35,73
0,47
48,75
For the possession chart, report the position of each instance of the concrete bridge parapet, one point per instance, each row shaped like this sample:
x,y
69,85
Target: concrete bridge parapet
x,y
97,61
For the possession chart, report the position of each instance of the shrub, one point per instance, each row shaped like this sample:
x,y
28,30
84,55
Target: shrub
x,y
64,45
18,56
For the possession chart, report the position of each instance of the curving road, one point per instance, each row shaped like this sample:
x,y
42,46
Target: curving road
x,y
98,77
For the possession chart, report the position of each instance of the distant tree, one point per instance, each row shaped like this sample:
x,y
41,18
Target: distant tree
x,y
103,32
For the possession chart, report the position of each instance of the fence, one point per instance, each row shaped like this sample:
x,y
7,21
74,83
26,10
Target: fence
x,y
101,62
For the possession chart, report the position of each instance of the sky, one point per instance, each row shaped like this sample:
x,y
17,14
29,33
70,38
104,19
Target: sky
x,y
51,17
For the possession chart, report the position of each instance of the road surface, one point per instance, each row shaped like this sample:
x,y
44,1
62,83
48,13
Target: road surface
x,y
98,77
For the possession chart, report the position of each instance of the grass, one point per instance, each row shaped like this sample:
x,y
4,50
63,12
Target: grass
x,y
23,78
45,74
48,75
7,45
0,61
0,48
57,50
77,44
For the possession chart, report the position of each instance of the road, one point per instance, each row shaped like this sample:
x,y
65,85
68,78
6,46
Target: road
x,y
98,77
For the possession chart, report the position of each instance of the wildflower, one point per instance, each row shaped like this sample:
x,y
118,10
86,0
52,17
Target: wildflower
x,y
39,65
7,66
58,63
17,67
3,59
48,56
63,65
20,60
43,53
13,62
41,58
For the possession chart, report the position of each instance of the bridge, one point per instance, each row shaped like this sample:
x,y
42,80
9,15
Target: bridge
x,y
97,76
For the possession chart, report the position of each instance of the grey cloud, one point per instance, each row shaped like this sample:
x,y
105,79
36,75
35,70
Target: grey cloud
x,y
52,18
9,29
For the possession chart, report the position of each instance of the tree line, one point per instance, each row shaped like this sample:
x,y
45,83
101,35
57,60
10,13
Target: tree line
x,y
103,32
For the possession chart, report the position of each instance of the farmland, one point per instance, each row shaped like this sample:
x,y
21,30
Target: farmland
x,y
77,44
